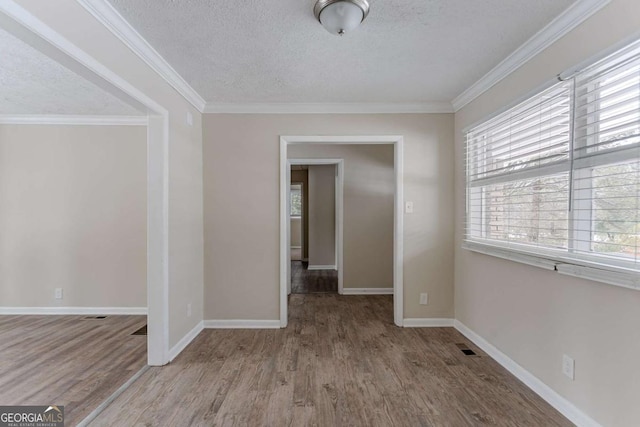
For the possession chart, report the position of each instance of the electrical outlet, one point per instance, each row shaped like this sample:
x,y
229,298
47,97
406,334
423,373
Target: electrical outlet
x,y
424,299
408,207
189,310
58,293
568,366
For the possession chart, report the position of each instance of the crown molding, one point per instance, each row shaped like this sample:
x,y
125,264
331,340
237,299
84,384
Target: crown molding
x,y
328,108
573,16
105,13
73,120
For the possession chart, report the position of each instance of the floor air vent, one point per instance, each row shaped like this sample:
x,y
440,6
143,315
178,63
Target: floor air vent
x,y
96,317
466,350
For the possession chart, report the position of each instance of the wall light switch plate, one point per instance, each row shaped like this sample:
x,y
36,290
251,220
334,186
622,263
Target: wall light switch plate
x,y
189,310
189,118
424,299
568,366
408,207
58,293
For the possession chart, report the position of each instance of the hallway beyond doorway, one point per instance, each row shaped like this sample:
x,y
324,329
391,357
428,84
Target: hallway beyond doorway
x,y
304,281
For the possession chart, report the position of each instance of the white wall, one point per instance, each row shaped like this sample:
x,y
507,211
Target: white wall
x,y
535,316
369,187
242,279
185,262
302,176
296,225
322,215
296,232
73,215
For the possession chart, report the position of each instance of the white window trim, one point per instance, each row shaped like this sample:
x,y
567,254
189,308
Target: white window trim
x,y
591,267
583,268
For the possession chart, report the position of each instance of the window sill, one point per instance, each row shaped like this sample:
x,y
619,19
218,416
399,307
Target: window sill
x,y
612,275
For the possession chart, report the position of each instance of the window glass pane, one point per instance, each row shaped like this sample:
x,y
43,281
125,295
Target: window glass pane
x,y
296,201
530,211
615,210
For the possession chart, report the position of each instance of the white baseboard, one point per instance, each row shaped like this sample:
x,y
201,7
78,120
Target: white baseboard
x,y
427,323
566,408
367,291
73,310
296,247
321,267
185,341
242,324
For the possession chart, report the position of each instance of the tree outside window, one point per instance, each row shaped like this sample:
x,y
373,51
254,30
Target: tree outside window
x,y
296,200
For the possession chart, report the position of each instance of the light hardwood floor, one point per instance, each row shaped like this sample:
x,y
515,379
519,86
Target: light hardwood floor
x,y
341,361
68,360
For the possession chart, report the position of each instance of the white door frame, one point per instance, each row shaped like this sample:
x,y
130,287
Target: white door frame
x,y
27,27
398,239
339,214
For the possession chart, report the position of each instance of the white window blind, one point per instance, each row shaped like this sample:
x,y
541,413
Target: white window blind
x,y
558,176
518,173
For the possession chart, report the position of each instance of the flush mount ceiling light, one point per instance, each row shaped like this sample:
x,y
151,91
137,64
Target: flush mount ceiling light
x,y
341,16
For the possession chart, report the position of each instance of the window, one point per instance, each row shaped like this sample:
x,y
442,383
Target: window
x,y
296,200
557,177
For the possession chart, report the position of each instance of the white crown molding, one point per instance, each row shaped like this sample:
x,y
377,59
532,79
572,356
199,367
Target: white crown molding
x,y
328,108
73,120
185,341
241,324
367,291
73,311
573,16
428,323
105,13
564,406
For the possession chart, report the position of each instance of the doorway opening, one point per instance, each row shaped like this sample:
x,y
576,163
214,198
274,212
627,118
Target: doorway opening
x,y
285,226
297,197
28,28
315,223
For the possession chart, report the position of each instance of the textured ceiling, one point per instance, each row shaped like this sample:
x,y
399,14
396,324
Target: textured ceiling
x,y
31,83
240,51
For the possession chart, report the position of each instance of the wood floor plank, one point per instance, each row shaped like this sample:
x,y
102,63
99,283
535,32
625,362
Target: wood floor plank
x,y
304,281
340,362
68,360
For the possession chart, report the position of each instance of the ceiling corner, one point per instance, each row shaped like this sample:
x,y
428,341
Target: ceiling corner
x,y
573,16
106,14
